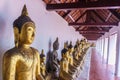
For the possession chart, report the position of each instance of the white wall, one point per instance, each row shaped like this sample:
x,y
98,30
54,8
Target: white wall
x,y
49,25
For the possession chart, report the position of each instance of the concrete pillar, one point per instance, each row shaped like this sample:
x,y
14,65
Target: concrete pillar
x,y
103,46
108,48
117,63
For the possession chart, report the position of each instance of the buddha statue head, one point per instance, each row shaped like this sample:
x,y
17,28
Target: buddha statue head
x,y
24,29
56,44
75,47
83,41
70,47
81,45
64,53
65,45
77,41
42,56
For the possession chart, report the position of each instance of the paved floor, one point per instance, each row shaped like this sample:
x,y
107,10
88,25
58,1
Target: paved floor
x,y
84,74
99,70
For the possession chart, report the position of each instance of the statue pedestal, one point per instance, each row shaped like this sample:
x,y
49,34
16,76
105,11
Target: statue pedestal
x,y
84,74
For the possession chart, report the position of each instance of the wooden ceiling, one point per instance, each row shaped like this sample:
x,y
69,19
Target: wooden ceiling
x,y
91,18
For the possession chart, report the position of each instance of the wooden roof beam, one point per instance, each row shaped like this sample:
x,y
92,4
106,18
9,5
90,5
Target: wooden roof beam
x,y
71,17
66,13
92,39
94,24
80,16
82,32
117,15
92,36
98,15
88,15
104,4
110,14
92,31
89,38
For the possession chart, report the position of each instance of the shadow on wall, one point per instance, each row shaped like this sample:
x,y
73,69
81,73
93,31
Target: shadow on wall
x,y
48,60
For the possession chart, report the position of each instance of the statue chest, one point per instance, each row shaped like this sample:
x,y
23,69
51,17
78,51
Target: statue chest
x,y
71,60
26,63
66,65
42,68
55,54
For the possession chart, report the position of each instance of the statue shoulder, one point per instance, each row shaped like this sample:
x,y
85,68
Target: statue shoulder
x,y
11,53
35,51
54,53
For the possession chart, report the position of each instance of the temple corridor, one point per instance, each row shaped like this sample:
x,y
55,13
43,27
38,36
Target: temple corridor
x,y
99,70
58,33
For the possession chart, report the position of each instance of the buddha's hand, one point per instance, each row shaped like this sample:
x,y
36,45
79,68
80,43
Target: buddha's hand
x,y
39,77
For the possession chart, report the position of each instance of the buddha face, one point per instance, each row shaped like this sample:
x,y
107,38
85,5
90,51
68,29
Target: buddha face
x,y
74,49
63,55
27,33
78,48
66,54
71,50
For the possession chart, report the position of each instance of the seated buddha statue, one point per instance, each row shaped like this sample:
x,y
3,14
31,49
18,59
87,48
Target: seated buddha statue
x,y
81,46
75,53
79,56
83,42
66,44
55,60
72,65
70,51
88,45
77,42
76,50
64,66
80,50
22,62
42,64
77,59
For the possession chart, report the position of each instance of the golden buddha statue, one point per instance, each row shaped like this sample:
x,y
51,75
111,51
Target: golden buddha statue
x,y
64,66
80,49
75,55
22,62
78,56
66,44
83,44
73,66
42,64
70,51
